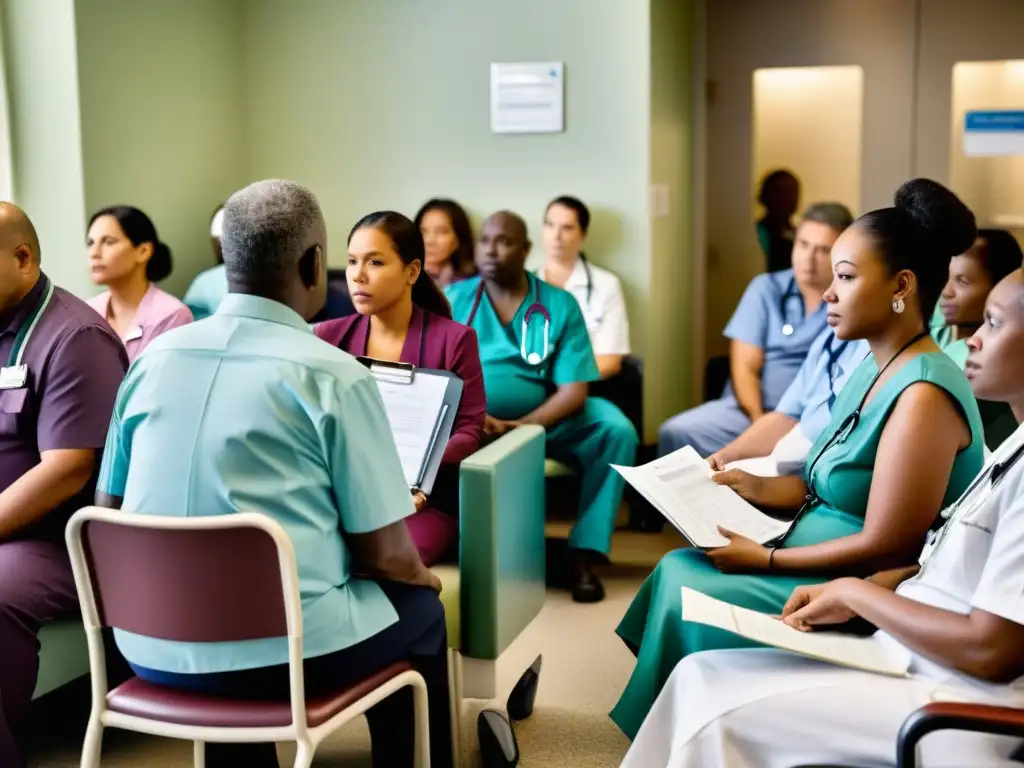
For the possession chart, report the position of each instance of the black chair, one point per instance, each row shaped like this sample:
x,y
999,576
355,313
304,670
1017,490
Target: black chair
x,y
950,716
625,390
716,376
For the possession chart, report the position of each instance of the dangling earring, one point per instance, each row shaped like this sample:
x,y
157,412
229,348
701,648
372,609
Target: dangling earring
x,y
898,306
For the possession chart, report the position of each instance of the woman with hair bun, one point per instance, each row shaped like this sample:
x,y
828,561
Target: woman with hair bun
x,y
127,257
863,504
404,317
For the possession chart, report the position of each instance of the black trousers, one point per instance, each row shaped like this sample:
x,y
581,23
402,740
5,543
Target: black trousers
x,y
418,636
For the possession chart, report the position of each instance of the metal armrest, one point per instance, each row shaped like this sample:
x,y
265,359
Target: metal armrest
x,y
944,716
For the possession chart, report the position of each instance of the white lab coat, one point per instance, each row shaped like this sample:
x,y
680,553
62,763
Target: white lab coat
x,y
604,310
768,708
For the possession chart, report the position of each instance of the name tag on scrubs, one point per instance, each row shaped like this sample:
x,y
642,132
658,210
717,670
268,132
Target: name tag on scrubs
x,y
133,334
13,377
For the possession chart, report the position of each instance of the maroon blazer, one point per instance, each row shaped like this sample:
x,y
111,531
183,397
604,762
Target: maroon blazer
x,y
432,342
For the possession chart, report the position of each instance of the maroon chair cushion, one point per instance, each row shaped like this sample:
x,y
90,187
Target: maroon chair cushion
x,y
169,705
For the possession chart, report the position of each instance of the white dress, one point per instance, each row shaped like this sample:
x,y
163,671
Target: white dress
x,y
769,708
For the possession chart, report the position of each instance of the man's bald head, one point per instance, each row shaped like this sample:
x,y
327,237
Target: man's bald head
x,y
502,248
19,256
274,243
510,222
17,230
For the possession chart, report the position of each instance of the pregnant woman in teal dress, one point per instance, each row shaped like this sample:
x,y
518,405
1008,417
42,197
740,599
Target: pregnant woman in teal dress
x,y
905,440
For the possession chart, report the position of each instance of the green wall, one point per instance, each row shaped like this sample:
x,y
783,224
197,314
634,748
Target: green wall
x,y
672,335
41,67
162,97
376,104
384,104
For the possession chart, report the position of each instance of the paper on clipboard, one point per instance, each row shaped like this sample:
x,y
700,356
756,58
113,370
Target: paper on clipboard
x,y
680,487
416,411
864,653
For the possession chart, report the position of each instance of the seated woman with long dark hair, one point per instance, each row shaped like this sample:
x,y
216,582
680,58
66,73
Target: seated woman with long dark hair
x,y
404,317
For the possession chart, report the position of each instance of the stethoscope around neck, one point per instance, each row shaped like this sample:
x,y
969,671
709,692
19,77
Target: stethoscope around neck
x,y
530,358
792,292
845,429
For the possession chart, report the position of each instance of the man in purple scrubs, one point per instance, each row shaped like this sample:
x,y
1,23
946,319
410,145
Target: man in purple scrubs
x,y
62,365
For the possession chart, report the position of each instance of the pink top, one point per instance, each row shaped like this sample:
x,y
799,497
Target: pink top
x,y
158,312
431,342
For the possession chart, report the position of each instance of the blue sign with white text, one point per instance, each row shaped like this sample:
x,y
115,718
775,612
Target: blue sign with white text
x,y
994,132
999,120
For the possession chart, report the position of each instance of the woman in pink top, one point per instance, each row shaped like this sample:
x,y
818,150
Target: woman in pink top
x,y
404,317
127,257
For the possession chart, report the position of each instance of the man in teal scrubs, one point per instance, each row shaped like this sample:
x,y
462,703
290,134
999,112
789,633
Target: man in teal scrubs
x,y
537,362
249,411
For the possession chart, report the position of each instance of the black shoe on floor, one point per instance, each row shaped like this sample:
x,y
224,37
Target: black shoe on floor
x,y
586,587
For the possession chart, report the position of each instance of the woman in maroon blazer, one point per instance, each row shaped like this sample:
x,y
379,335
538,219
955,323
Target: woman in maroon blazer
x,y
404,317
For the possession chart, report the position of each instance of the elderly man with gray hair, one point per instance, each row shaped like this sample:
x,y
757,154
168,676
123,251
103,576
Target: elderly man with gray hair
x,y
248,411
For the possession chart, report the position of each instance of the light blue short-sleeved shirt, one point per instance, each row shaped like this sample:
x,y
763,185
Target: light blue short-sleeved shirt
x,y
249,411
829,363
207,291
771,306
515,387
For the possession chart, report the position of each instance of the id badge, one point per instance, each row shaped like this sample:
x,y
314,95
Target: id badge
x,y
13,377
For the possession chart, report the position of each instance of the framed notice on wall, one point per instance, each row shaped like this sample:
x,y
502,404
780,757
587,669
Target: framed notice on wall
x,y
528,97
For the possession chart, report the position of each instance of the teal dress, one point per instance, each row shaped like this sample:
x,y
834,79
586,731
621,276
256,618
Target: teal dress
x,y
653,627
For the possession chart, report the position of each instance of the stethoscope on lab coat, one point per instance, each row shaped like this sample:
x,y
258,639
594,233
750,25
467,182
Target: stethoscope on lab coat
x,y
959,509
537,308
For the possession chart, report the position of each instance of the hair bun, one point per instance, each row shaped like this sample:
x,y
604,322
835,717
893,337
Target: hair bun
x,y
941,218
159,265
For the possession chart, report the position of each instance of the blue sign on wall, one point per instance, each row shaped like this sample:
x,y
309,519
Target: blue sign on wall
x,y
990,132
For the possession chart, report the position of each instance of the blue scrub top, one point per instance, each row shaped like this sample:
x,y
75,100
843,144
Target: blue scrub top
x,y
207,291
249,411
771,302
514,387
812,395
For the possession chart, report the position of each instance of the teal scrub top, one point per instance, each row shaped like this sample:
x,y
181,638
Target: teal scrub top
x,y
515,387
955,348
207,291
249,411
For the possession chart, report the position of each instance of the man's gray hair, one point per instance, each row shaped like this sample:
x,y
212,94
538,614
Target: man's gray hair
x,y
834,215
268,226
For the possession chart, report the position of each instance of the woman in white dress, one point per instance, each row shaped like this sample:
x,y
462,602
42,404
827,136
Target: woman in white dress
x,y
959,616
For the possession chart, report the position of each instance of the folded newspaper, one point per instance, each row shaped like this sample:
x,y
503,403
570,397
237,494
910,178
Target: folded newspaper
x,y
680,487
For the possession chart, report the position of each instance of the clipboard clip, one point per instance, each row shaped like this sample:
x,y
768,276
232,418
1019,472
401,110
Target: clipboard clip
x,y
385,370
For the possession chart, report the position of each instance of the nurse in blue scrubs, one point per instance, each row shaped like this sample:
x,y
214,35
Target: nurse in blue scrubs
x,y
537,363
778,319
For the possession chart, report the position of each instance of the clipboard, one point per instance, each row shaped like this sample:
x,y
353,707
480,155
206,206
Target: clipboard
x,y
405,374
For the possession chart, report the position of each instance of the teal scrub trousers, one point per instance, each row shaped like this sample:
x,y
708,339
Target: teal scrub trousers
x,y
592,440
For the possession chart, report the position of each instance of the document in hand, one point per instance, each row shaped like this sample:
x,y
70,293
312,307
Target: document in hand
x,y
680,487
864,653
421,410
